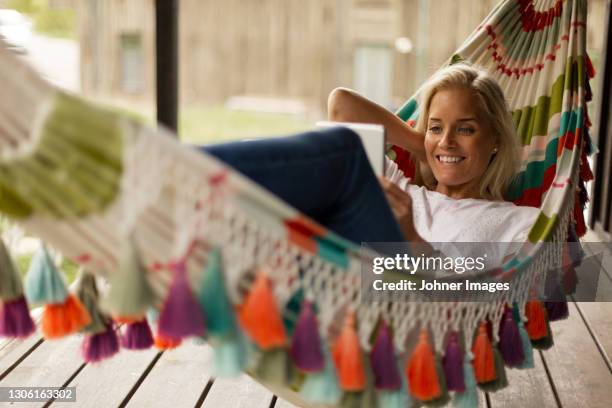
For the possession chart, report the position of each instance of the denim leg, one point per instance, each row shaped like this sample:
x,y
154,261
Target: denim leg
x,y
325,175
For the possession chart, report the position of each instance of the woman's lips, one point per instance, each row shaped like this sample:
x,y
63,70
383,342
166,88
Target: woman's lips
x,y
449,159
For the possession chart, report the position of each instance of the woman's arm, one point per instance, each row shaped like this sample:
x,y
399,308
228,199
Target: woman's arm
x,y
345,105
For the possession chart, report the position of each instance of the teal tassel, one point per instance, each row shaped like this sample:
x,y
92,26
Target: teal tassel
x,y
130,294
220,318
11,287
396,398
322,387
230,356
468,398
501,381
44,283
87,293
527,348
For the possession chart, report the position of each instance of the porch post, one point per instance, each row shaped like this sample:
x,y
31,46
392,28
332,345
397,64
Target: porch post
x,y
166,45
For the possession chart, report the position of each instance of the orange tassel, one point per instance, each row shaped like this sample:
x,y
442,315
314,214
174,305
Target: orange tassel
x,y
128,319
421,371
484,361
62,319
166,343
348,358
259,315
536,320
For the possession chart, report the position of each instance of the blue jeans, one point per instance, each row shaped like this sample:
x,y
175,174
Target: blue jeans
x,y
325,175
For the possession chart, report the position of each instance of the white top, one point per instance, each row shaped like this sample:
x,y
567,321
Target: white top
x,y
439,218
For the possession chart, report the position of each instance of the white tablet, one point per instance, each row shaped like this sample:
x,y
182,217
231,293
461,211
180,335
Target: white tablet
x,y
372,138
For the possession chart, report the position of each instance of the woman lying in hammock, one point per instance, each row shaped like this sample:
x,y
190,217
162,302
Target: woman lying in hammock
x,y
465,135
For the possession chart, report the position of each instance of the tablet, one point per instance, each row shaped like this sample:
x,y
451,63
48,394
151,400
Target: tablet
x,y
372,138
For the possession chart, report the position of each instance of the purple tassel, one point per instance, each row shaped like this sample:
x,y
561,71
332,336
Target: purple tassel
x,y
383,361
137,336
305,349
181,315
453,364
557,310
510,343
97,347
15,319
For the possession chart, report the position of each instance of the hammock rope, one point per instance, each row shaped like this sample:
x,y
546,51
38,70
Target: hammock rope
x,y
194,249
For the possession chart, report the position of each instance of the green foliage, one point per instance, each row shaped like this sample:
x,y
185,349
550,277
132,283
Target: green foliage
x,y
57,22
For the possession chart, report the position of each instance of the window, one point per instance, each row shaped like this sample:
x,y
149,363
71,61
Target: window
x,y
131,63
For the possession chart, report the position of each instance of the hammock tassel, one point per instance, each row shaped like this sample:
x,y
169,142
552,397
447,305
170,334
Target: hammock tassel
x,y
259,315
130,293
421,371
62,319
383,361
453,364
138,336
100,346
322,387
305,350
510,343
484,363
536,320
87,293
469,397
220,319
15,319
230,355
44,283
396,399
166,343
500,381
181,315
527,347
348,357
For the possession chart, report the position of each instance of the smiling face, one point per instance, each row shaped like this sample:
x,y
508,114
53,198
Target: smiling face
x,y
458,143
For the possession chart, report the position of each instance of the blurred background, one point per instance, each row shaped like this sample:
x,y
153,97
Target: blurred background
x,y
249,68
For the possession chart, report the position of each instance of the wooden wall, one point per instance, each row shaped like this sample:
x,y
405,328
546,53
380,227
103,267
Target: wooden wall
x,y
279,48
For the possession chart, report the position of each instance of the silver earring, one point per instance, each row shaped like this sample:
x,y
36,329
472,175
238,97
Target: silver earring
x,y
495,150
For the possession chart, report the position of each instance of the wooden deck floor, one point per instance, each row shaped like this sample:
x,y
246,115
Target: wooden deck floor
x,y
576,372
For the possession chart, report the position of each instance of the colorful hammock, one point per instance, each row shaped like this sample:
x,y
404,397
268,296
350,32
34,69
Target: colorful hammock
x,y
193,249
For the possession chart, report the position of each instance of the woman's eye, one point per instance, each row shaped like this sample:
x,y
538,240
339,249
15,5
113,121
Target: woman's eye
x,y
435,129
466,130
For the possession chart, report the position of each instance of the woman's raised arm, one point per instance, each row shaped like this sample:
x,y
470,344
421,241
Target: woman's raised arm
x,y
345,105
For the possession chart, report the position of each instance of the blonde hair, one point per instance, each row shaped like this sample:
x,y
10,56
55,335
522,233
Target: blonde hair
x,y
493,109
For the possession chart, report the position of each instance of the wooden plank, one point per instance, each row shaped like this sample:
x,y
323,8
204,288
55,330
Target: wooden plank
x,y
50,365
598,316
526,388
580,375
178,378
238,392
15,349
281,403
107,383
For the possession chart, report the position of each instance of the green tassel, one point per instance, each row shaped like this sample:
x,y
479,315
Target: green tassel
x,y
220,318
527,348
322,387
444,396
292,310
398,398
230,355
546,342
367,398
87,293
130,294
44,283
501,381
272,367
468,398
11,287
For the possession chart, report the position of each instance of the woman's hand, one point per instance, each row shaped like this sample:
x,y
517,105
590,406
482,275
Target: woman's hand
x,y
401,205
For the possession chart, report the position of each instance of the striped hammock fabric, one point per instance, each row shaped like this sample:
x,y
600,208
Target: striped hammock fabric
x,y
191,249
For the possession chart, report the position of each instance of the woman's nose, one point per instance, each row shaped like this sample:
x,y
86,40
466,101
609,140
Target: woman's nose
x,y
448,139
